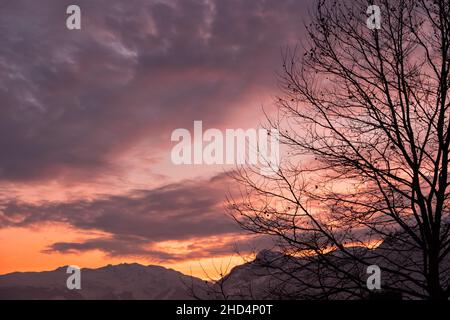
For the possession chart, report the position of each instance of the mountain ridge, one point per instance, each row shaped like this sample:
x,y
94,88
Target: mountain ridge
x,y
121,281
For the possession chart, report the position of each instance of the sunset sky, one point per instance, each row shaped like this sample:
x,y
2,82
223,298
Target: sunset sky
x,y
86,118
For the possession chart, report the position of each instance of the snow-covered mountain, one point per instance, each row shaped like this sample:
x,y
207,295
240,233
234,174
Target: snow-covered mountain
x,y
271,275
124,281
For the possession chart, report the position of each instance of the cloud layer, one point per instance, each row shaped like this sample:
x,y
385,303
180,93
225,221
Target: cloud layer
x,y
176,212
74,102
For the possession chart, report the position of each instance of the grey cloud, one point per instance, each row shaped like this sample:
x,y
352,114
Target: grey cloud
x,y
173,212
118,246
135,222
130,246
72,100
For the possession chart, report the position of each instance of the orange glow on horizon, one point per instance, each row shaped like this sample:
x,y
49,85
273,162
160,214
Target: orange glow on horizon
x,y
21,250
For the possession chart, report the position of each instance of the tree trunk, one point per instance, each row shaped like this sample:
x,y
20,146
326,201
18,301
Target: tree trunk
x,y
434,284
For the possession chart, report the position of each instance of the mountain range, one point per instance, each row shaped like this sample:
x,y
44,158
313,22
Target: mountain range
x,y
112,282
287,278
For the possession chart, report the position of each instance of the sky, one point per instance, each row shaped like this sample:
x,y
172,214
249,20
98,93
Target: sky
x,y
86,118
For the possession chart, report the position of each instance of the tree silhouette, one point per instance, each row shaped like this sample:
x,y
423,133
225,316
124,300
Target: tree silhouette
x,y
364,124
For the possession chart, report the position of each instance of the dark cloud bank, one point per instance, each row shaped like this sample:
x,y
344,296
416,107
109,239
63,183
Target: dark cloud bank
x,y
72,100
180,211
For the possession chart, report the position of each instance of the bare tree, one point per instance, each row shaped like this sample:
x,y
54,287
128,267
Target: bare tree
x,y
364,123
